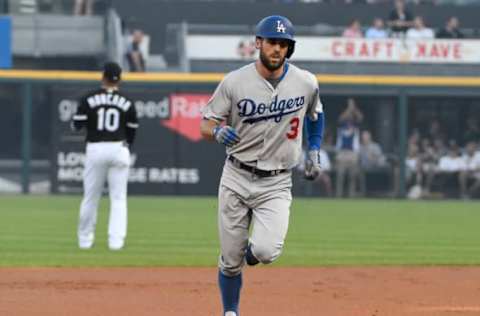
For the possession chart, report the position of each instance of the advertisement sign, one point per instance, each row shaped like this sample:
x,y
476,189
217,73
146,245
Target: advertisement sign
x,y
334,49
169,156
389,50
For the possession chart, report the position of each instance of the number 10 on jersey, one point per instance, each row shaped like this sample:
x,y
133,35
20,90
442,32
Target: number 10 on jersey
x,y
108,119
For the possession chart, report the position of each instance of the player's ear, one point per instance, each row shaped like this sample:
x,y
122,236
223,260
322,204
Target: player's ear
x,y
258,42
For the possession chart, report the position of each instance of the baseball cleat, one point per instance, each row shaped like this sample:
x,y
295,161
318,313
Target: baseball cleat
x,y
115,244
85,244
86,241
230,314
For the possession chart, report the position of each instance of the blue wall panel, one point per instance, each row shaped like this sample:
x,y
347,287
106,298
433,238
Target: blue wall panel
x,y
5,42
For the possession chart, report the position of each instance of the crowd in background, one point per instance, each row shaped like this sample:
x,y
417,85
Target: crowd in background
x,y
402,23
435,161
437,164
350,154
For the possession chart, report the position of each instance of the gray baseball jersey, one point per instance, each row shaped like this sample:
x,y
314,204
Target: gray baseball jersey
x,y
268,120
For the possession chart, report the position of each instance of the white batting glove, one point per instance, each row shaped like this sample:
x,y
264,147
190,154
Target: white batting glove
x,y
226,135
312,165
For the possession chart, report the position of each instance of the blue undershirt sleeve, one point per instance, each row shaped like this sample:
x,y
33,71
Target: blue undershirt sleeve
x,y
315,132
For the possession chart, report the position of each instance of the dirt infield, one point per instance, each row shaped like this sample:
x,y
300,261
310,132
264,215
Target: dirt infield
x,y
339,291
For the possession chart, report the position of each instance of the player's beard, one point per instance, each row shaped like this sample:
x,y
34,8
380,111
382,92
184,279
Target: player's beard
x,y
266,61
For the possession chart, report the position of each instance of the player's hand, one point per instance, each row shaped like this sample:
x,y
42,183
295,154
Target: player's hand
x,y
127,145
226,135
312,165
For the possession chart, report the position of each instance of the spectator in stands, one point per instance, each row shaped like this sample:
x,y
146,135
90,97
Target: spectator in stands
x,y
135,56
471,160
400,19
371,155
414,137
451,29
430,148
414,175
83,7
419,30
377,30
328,142
472,132
351,113
435,130
354,30
439,146
323,178
371,159
430,155
348,146
451,169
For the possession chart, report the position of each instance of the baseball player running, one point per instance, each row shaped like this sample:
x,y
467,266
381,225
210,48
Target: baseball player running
x,y
258,113
111,121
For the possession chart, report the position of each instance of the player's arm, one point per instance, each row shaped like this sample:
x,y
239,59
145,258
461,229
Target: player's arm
x,y
315,123
216,111
80,118
206,128
132,125
315,131
130,135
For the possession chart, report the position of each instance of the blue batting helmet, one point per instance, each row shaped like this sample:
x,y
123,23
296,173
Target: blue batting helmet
x,y
277,26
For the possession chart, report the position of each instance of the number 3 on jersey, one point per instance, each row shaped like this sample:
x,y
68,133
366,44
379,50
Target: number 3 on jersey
x,y
294,124
108,119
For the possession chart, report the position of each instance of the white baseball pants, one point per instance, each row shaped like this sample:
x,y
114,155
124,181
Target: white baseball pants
x,y
104,161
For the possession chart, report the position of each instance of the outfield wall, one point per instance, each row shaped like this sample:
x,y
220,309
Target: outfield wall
x,y
170,157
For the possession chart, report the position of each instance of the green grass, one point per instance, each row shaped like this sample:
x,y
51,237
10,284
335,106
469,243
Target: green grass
x,y
41,231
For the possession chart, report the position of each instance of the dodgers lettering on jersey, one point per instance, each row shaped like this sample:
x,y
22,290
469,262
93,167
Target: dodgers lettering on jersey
x,y
268,120
275,110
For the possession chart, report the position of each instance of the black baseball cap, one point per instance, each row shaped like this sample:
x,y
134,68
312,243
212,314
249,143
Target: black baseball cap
x,y
112,71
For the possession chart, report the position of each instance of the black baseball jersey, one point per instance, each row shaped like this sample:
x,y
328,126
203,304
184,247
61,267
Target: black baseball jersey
x,y
107,115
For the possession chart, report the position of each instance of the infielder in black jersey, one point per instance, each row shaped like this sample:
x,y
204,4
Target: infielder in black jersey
x,y
110,119
258,112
